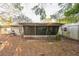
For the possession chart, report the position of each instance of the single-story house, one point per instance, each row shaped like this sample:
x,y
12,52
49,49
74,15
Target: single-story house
x,y
40,29
32,29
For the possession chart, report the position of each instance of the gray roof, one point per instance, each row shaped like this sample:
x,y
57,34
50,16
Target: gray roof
x,y
41,24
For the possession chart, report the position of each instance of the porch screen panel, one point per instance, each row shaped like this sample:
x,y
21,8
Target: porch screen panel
x,y
52,30
41,30
29,30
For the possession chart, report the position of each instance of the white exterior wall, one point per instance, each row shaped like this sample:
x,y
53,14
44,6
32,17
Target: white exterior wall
x,y
18,30
72,31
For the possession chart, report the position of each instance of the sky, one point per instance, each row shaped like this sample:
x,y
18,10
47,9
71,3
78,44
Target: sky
x,y
50,9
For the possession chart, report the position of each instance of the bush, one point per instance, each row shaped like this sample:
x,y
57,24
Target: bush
x,y
58,37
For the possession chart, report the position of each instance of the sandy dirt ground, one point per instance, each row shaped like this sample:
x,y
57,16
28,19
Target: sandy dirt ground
x,y
19,46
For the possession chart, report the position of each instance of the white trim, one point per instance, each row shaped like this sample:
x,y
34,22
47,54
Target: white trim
x,y
39,35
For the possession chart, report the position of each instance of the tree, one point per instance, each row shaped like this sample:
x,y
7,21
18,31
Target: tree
x,y
71,14
17,6
54,16
73,10
60,12
39,10
70,19
22,18
64,7
10,9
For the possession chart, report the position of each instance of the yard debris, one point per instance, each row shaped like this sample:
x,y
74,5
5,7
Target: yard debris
x,y
15,45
